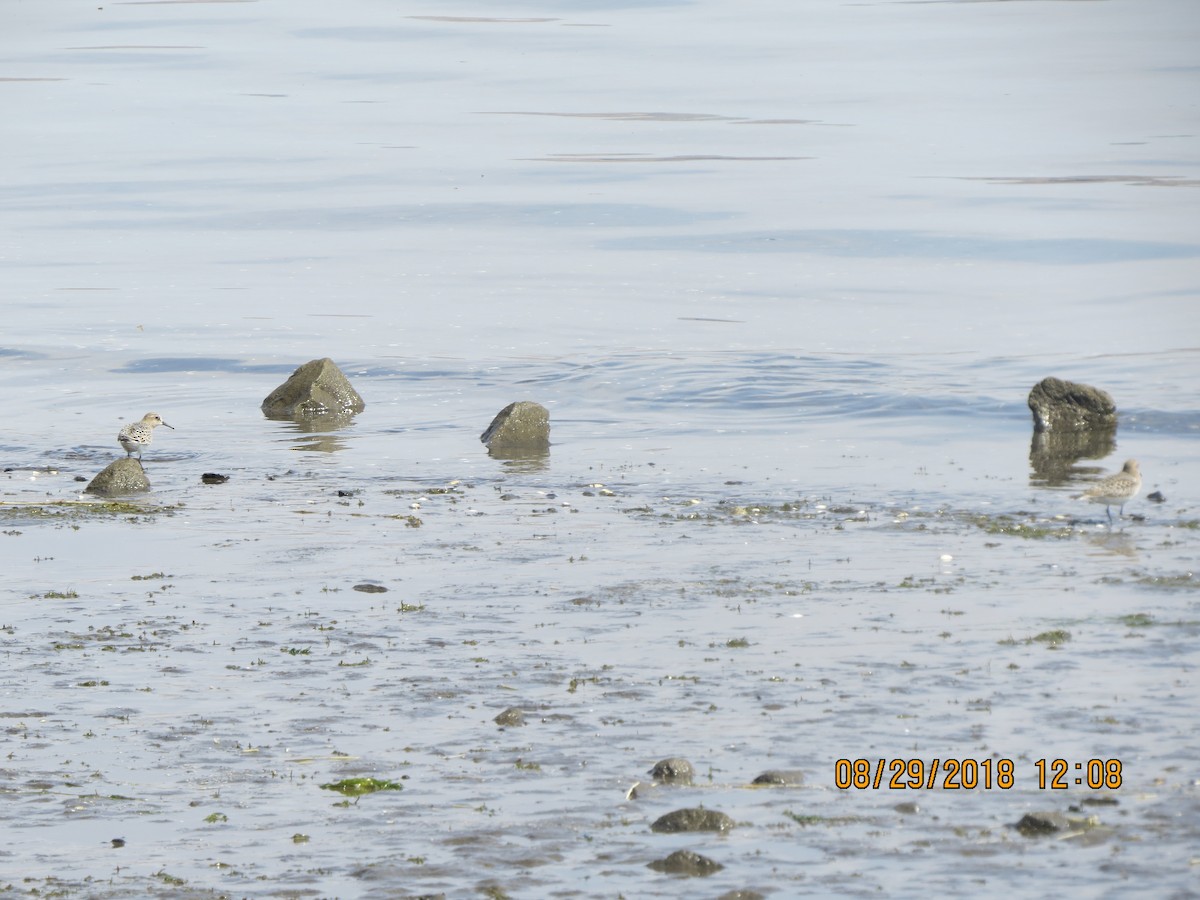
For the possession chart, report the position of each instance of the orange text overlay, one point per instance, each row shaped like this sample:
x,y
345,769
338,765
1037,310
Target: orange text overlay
x,y
970,774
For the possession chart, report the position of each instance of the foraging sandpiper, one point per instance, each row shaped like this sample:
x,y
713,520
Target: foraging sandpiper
x,y
1117,488
136,435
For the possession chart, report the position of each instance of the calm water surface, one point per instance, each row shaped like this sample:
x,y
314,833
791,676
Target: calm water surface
x,y
782,273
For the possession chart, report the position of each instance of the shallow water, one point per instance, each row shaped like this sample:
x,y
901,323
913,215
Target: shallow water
x,y
783,277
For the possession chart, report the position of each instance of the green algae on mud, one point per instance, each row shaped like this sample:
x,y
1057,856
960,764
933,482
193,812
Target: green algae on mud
x,y
1145,620
1137,620
805,820
356,787
1185,581
1051,639
740,512
1007,524
73,512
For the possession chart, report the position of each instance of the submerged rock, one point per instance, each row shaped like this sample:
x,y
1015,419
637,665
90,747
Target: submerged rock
x,y
1039,824
520,430
125,476
780,777
673,770
1059,405
317,389
685,862
510,718
1083,831
695,819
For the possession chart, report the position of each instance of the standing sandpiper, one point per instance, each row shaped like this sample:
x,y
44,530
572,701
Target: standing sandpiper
x,y
1116,488
136,435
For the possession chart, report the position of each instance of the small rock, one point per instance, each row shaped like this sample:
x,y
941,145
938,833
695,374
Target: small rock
x,y
695,819
214,478
685,862
1059,405
371,588
125,476
315,390
780,777
510,718
1036,824
1156,497
673,770
520,430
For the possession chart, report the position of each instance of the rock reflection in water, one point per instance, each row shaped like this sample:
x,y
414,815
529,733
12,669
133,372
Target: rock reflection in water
x,y
1053,454
522,462
320,434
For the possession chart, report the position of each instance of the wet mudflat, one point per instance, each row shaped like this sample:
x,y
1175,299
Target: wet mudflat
x,y
188,672
782,276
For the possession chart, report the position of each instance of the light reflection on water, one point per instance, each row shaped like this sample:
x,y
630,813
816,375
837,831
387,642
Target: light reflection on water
x,y
916,245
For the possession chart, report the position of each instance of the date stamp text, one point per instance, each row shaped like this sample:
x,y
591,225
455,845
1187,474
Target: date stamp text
x,y
953,774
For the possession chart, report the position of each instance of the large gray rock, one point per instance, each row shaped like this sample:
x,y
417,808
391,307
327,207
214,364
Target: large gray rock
x,y
317,389
1059,405
695,819
673,770
125,476
521,429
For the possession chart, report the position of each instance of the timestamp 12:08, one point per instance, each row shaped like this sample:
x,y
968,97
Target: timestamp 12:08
x,y
969,774
1097,774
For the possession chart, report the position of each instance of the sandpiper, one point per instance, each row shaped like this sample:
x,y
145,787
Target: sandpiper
x,y
136,435
1117,488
